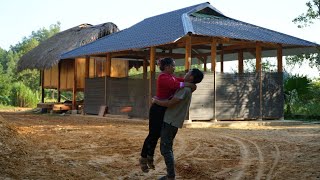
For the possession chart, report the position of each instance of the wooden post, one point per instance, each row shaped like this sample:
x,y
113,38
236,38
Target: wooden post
x,y
205,64
240,62
279,58
152,72
42,85
145,69
74,89
59,76
188,53
213,69
259,71
108,65
221,61
87,68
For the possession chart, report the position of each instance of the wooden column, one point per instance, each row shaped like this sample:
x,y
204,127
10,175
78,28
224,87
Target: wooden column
x,y
152,72
74,89
240,62
213,69
259,71
221,61
59,76
87,67
258,58
188,53
42,85
145,69
108,65
279,58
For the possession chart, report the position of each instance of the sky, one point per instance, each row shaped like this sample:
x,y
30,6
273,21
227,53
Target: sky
x,y
20,17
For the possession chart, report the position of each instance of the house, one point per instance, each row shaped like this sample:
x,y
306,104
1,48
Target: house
x,y
66,75
197,33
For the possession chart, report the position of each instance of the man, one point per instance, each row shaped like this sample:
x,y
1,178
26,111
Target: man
x,y
167,84
174,117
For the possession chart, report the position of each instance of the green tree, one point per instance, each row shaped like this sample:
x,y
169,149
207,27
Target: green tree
x,y
22,88
313,13
304,20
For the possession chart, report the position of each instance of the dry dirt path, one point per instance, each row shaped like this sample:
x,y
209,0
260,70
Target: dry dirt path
x,y
79,147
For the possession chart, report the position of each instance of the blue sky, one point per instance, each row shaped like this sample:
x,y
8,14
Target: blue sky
x,y
20,17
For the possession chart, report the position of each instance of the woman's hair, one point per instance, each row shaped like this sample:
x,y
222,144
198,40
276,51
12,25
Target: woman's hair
x,y
197,75
162,63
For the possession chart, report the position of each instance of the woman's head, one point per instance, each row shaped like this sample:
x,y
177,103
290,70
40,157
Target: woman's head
x,y
166,65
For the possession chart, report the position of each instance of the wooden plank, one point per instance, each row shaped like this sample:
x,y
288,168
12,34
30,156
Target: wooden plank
x,y
81,62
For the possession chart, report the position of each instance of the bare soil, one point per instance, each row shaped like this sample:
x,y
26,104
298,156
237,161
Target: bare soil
x,y
34,146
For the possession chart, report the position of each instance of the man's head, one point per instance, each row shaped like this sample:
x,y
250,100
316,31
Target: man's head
x,y
166,65
194,76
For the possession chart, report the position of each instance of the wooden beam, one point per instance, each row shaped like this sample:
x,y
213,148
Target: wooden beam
x,y
87,68
279,59
74,88
152,72
240,62
213,69
221,62
145,69
258,58
59,76
213,55
108,65
188,53
259,71
42,85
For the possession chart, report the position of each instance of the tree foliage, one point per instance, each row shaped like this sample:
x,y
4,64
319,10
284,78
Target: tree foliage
x,y
304,20
313,13
22,88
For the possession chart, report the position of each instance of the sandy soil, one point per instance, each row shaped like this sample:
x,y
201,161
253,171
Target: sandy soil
x,y
78,147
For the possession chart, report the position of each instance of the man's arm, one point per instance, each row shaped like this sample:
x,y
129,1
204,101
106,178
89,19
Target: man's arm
x,y
167,103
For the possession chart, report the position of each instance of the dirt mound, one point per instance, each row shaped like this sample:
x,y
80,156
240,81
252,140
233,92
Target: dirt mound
x,y
13,151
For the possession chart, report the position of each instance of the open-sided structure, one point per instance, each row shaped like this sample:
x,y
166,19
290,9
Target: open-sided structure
x,y
196,33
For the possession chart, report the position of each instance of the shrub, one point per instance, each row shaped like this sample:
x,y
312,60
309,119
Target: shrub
x,y
22,96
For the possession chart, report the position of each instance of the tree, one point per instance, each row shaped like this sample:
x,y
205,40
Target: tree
x,y
304,20
313,13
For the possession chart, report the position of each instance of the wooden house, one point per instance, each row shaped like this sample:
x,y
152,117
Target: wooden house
x,y
69,75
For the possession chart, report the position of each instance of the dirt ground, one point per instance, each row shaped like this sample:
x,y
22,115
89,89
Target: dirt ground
x,y
46,146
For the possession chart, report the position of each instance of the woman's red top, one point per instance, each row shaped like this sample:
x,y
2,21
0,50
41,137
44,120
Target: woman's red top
x,y
167,84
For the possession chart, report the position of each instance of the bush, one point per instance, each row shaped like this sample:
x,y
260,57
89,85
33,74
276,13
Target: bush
x,y
22,96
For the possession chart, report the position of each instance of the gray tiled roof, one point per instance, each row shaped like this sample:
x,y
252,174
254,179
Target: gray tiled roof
x,y
169,27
